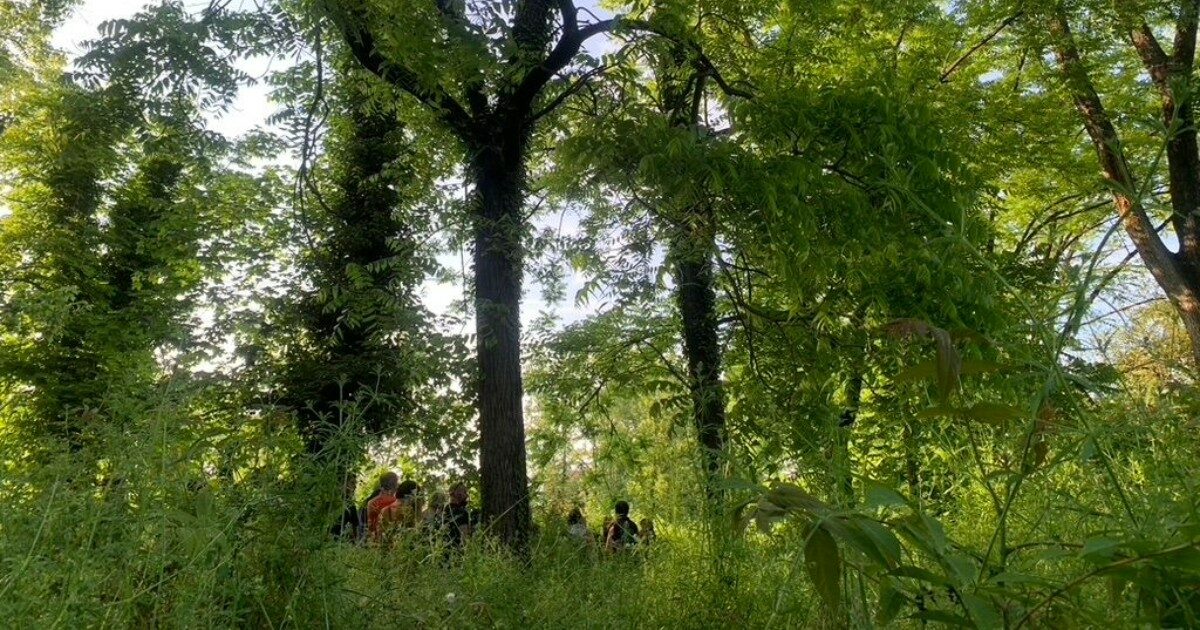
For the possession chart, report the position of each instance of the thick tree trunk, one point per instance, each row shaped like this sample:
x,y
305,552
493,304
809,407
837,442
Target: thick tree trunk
x,y
499,175
691,252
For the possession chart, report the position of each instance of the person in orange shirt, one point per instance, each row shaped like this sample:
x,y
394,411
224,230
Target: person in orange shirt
x,y
405,512
383,502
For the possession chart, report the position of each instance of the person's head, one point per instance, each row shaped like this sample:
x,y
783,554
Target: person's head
x,y
647,526
389,482
458,494
575,517
407,490
622,508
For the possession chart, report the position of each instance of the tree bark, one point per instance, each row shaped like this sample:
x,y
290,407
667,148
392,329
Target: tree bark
x,y
1177,273
495,128
691,252
498,171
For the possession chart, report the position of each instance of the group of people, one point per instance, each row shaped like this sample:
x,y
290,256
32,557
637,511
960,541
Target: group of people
x,y
620,533
395,507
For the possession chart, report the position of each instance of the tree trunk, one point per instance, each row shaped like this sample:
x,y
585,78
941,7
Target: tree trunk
x,y
1178,274
691,252
845,426
499,174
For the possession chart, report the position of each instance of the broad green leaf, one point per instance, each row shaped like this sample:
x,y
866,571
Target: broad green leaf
x,y
879,495
1099,550
882,540
942,616
983,613
917,573
824,565
891,601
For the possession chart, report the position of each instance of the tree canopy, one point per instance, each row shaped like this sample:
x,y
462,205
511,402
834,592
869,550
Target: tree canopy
x,y
885,312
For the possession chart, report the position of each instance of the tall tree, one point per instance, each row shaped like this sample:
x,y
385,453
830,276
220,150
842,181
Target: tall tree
x,y
691,250
490,97
359,310
1171,76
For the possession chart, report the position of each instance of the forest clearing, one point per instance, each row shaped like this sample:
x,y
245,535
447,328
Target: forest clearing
x,y
599,314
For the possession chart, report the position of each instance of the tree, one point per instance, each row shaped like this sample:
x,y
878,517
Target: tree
x,y
358,311
1170,72
502,82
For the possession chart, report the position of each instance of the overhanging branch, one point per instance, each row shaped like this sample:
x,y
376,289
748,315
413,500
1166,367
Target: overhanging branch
x,y
365,50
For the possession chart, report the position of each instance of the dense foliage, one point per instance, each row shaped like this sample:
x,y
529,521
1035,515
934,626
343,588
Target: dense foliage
x,y
885,312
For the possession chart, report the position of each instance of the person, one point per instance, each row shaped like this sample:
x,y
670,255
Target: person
x,y
383,502
622,534
460,520
404,512
577,527
432,516
646,535
362,512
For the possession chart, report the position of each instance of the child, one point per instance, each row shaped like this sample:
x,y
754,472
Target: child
x,y
622,534
577,528
647,536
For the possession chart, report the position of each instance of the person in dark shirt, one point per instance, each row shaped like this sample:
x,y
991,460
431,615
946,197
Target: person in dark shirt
x,y
458,518
622,533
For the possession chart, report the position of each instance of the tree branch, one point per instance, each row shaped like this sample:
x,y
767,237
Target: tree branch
x,y
575,86
697,50
962,61
363,46
1141,230
521,98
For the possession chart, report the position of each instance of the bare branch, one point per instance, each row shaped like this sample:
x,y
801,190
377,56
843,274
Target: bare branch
x,y
704,62
575,86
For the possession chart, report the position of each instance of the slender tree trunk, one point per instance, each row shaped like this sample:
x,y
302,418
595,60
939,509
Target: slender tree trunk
x,y
1178,274
691,248
845,427
499,173
691,252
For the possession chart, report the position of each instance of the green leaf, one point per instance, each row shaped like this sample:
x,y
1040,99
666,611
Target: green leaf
x,y
983,613
1005,578
824,565
879,495
928,370
884,543
917,573
891,601
942,616
1099,550
790,497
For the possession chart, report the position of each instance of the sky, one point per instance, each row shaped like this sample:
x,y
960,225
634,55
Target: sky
x,y
251,110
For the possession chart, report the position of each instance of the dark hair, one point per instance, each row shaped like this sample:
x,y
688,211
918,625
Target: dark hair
x,y
622,508
576,516
407,489
388,482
